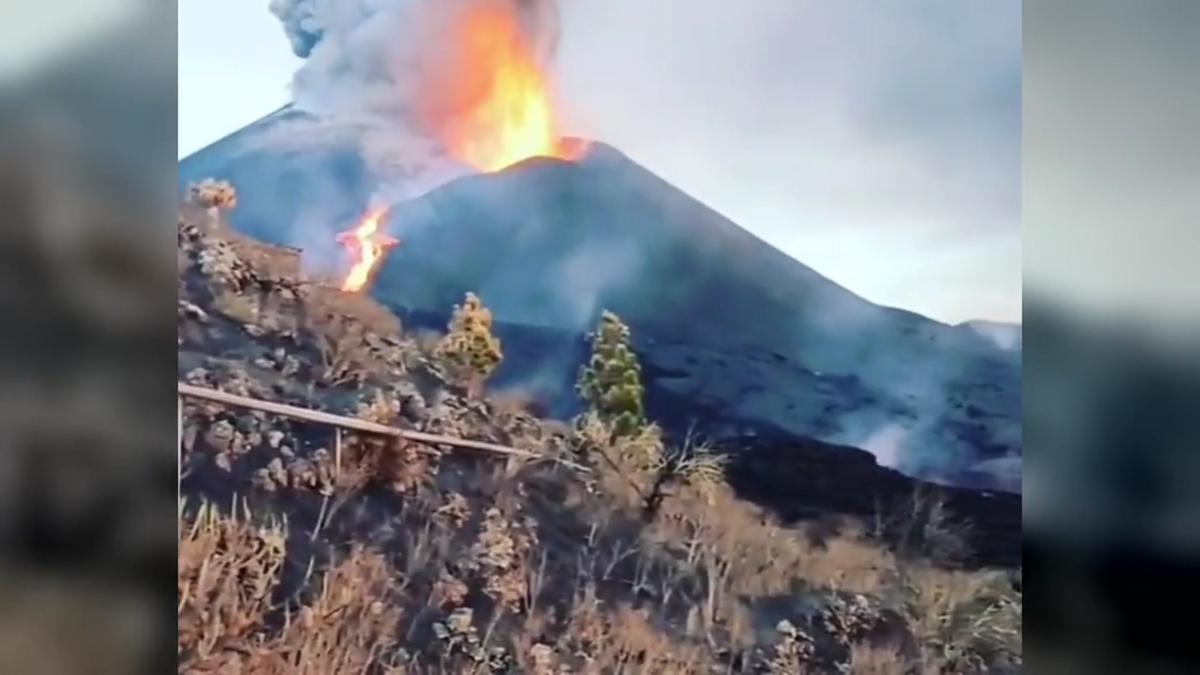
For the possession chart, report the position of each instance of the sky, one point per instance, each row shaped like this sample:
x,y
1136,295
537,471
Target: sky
x,y
1112,157
876,142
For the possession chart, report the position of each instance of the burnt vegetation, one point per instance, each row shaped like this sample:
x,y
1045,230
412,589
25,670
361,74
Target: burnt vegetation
x,y
302,554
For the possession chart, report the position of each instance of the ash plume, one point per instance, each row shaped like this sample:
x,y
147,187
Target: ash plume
x,y
372,72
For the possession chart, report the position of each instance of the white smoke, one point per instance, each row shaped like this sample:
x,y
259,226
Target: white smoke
x,y
886,444
1005,336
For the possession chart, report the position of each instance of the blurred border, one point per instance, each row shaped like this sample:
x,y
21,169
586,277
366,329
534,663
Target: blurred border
x,y
1112,334
87,471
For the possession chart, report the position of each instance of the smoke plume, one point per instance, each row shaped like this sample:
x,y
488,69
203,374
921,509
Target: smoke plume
x,y
376,71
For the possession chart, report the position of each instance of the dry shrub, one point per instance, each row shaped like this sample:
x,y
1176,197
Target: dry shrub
x,y
625,640
635,642
340,341
849,617
241,308
228,567
449,592
760,557
627,464
454,512
793,652
922,527
403,466
407,466
500,558
850,561
963,621
349,627
867,659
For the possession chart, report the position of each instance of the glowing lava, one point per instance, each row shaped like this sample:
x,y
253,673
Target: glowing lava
x,y
503,107
366,245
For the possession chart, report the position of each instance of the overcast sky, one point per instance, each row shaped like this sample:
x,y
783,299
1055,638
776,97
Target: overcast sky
x,y
1112,155
878,142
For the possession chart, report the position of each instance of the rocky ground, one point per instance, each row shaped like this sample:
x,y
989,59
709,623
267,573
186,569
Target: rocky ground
x,y
410,559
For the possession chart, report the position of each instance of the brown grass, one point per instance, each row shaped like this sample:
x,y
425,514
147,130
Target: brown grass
x,y
867,659
648,564
228,568
963,620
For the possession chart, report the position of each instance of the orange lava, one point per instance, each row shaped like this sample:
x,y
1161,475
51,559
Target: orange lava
x,y
366,246
503,110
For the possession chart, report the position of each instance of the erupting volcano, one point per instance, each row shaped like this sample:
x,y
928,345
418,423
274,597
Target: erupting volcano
x,y
486,98
492,106
366,245
736,336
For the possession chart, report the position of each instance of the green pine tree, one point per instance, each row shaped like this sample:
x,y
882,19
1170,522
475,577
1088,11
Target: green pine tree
x,y
469,352
611,382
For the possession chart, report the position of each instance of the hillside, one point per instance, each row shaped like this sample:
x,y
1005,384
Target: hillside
x,y
409,559
735,336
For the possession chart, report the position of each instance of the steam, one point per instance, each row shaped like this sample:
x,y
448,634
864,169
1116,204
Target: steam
x,y
886,444
371,74
1006,337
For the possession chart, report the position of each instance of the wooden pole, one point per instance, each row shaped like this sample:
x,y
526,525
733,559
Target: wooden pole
x,y
354,424
337,453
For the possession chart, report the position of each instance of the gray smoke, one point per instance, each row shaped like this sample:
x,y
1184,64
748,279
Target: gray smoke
x,y
372,74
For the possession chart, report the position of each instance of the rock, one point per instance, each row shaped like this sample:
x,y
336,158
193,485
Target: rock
x,y
412,409
803,479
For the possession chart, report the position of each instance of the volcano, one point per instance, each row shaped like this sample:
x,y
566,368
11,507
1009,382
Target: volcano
x,y
735,336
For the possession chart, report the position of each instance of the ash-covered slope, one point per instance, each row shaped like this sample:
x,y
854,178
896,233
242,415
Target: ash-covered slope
x,y
735,336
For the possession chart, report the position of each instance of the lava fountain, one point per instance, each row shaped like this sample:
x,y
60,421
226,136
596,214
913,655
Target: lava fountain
x,y
489,103
485,96
366,246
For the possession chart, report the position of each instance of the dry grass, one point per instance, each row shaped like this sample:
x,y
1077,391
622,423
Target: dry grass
x,y
229,567
624,640
340,342
237,306
963,620
349,627
648,564
867,659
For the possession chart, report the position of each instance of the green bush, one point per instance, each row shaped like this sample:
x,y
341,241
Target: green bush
x,y
611,382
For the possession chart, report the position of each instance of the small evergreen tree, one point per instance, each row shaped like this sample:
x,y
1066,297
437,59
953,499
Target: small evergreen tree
x,y
469,352
611,382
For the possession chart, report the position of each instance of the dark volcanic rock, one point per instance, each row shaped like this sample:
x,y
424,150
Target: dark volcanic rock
x,y
801,479
734,333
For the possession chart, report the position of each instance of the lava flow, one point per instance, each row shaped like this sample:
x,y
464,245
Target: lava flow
x,y
504,112
366,245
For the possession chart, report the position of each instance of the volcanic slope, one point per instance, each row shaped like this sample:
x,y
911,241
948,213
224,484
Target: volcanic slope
x,y
735,336
302,551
